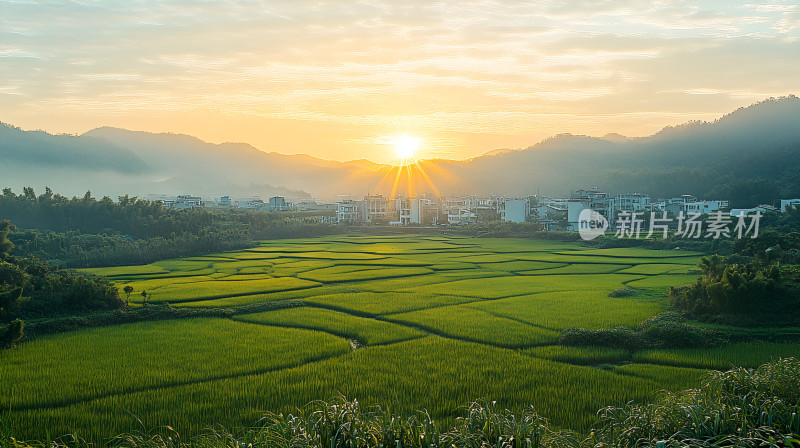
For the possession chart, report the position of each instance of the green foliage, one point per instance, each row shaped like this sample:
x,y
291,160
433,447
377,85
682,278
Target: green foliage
x,y
31,287
749,290
580,355
13,334
665,330
470,324
364,330
434,373
85,232
5,244
470,328
739,407
43,373
9,301
621,337
749,355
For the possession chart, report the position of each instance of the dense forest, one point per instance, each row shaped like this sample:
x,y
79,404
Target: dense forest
x,y
30,286
87,232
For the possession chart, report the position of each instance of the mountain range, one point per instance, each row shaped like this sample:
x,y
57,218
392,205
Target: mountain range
x,y
749,155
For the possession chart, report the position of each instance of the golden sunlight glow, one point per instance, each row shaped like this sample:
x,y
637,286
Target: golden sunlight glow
x,y
405,146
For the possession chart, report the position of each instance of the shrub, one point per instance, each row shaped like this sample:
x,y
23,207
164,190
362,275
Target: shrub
x,y
12,335
622,337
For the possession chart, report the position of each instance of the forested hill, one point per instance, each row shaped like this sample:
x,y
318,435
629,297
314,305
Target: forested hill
x,y
749,156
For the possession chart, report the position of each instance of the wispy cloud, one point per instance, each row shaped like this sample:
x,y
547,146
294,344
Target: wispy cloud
x,y
518,69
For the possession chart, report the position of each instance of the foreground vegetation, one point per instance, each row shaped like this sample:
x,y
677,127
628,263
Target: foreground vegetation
x,y
739,407
414,321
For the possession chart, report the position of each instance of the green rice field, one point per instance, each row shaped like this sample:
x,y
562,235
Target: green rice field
x,y
408,321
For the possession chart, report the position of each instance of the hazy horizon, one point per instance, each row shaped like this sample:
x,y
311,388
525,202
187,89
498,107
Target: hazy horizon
x,y
344,81
480,153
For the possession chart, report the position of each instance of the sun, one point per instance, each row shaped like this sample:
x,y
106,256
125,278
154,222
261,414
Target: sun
x,y
405,146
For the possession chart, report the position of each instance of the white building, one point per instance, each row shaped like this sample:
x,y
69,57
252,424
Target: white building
x,y
632,202
348,211
254,203
786,203
279,204
687,204
593,199
549,217
514,210
186,201
376,208
704,207
461,210
748,211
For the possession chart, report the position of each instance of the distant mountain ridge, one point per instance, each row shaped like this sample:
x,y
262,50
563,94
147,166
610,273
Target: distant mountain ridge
x,y
759,143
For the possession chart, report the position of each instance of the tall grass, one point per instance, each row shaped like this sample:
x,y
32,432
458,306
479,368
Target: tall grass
x,y
377,304
463,322
475,298
742,408
60,369
431,372
720,358
561,310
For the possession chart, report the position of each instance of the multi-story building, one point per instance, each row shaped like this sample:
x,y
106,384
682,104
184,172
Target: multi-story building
x,y
254,203
376,208
307,206
514,210
348,211
461,210
278,204
419,210
786,203
593,199
225,201
687,204
549,217
630,202
186,201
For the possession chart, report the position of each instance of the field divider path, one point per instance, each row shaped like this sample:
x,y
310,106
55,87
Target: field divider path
x,y
434,331
334,333
242,294
67,403
520,321
418,327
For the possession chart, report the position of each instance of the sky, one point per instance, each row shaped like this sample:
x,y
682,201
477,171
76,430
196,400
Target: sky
x,y
343,80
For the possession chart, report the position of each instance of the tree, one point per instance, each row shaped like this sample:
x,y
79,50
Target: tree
x,y
13,334
5,244
145,297
712,266
128,289
9,301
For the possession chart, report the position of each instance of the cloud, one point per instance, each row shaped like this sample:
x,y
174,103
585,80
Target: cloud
x,y
492,66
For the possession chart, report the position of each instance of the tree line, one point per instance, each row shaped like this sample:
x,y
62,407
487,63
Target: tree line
x,y
87,232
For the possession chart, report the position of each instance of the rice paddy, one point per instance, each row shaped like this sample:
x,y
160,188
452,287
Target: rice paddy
x,y
409,321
